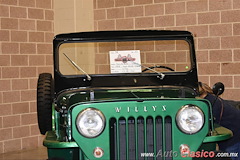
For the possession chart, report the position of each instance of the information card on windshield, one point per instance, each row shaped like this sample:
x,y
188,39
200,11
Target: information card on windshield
x,y
128,61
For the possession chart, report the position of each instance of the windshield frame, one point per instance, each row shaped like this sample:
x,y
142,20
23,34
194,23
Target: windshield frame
x,y
122,79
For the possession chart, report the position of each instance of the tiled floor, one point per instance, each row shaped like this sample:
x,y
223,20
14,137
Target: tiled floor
x,y
33,154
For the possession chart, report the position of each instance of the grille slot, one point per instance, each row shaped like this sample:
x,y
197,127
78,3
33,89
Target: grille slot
x,y
129,138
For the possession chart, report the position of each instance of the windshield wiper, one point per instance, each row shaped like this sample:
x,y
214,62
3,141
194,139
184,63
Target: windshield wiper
x,y
78,68
159,73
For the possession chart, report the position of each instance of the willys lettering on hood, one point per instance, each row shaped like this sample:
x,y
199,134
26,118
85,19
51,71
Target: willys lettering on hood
x,y
137,109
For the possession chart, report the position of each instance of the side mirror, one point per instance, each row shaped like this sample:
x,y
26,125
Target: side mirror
x,y
218,88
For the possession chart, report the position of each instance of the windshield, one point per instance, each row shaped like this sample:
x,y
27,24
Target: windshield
x,y
88,58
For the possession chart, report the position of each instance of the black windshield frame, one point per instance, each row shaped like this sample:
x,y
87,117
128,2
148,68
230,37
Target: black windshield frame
x,y
64,82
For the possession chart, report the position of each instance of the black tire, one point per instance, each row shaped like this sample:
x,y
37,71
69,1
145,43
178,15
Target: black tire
x,y
44,102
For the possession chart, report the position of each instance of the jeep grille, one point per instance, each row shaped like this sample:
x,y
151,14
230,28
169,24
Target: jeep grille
x,y
131,138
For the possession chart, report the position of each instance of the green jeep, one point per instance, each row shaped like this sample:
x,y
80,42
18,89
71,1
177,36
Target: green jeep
x,y
125,95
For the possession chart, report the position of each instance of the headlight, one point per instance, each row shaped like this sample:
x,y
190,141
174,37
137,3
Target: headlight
x,y
90,122
190,119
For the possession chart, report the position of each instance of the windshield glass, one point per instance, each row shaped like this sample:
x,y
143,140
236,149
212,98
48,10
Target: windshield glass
x,y
124,57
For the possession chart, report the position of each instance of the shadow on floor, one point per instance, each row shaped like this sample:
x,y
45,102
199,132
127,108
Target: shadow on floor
x,y
33,154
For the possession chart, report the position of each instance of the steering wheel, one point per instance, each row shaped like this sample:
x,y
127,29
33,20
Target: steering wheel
x,y
152,67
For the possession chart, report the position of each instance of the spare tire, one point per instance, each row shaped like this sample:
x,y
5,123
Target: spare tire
x,y
44,102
